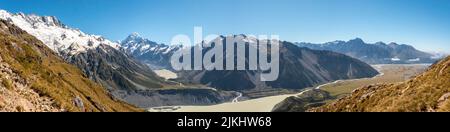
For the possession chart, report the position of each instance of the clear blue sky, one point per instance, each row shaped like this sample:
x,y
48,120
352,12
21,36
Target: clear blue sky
x,y
422,23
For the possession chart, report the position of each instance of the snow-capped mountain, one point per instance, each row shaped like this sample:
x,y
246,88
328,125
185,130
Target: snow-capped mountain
x,y
378,53
39,87
100,59
153,54
57,36
299,68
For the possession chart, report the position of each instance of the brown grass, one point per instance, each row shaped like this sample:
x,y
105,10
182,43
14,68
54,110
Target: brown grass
x,y
50,76
392,74
7,84
429,91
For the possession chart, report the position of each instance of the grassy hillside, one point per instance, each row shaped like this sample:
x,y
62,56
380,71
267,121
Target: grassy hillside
x,y
50,76
428,92
391,74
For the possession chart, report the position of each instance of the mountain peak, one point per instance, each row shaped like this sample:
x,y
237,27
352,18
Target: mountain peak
x,y
357,40
74,91
393,43
134,38
54,33
137,44
380,43
135,34
4,14
336,42
3,11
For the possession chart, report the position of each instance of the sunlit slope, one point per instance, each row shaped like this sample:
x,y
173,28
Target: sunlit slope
x,y
47,74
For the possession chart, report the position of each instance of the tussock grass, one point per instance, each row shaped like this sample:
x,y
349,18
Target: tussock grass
x,y
50,76
7,83
429,91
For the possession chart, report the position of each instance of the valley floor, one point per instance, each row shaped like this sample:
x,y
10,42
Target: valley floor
x,y
391,73
166,74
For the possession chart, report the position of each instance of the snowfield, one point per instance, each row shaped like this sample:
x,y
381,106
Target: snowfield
x,y
57,36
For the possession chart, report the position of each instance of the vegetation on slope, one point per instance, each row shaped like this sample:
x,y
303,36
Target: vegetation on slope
x,y
428,92
391,74
50,76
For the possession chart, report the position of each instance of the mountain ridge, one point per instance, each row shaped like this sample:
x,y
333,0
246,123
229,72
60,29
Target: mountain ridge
x,y
91,53
34,78
299,68
149,52
377,53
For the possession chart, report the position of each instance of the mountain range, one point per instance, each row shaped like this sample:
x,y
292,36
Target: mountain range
x,y
60,68
35,79
100,59
378,53
155,55
299,68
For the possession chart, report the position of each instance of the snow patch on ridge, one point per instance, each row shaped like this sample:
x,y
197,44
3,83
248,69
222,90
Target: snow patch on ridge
x,y
57,36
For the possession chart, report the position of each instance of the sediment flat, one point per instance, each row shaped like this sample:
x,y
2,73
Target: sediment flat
x,y
390,73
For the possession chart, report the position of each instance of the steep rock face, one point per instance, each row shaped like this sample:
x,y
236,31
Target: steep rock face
x,y
34,78
155,55
299,68
54,34
115,70
378,53
426,92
